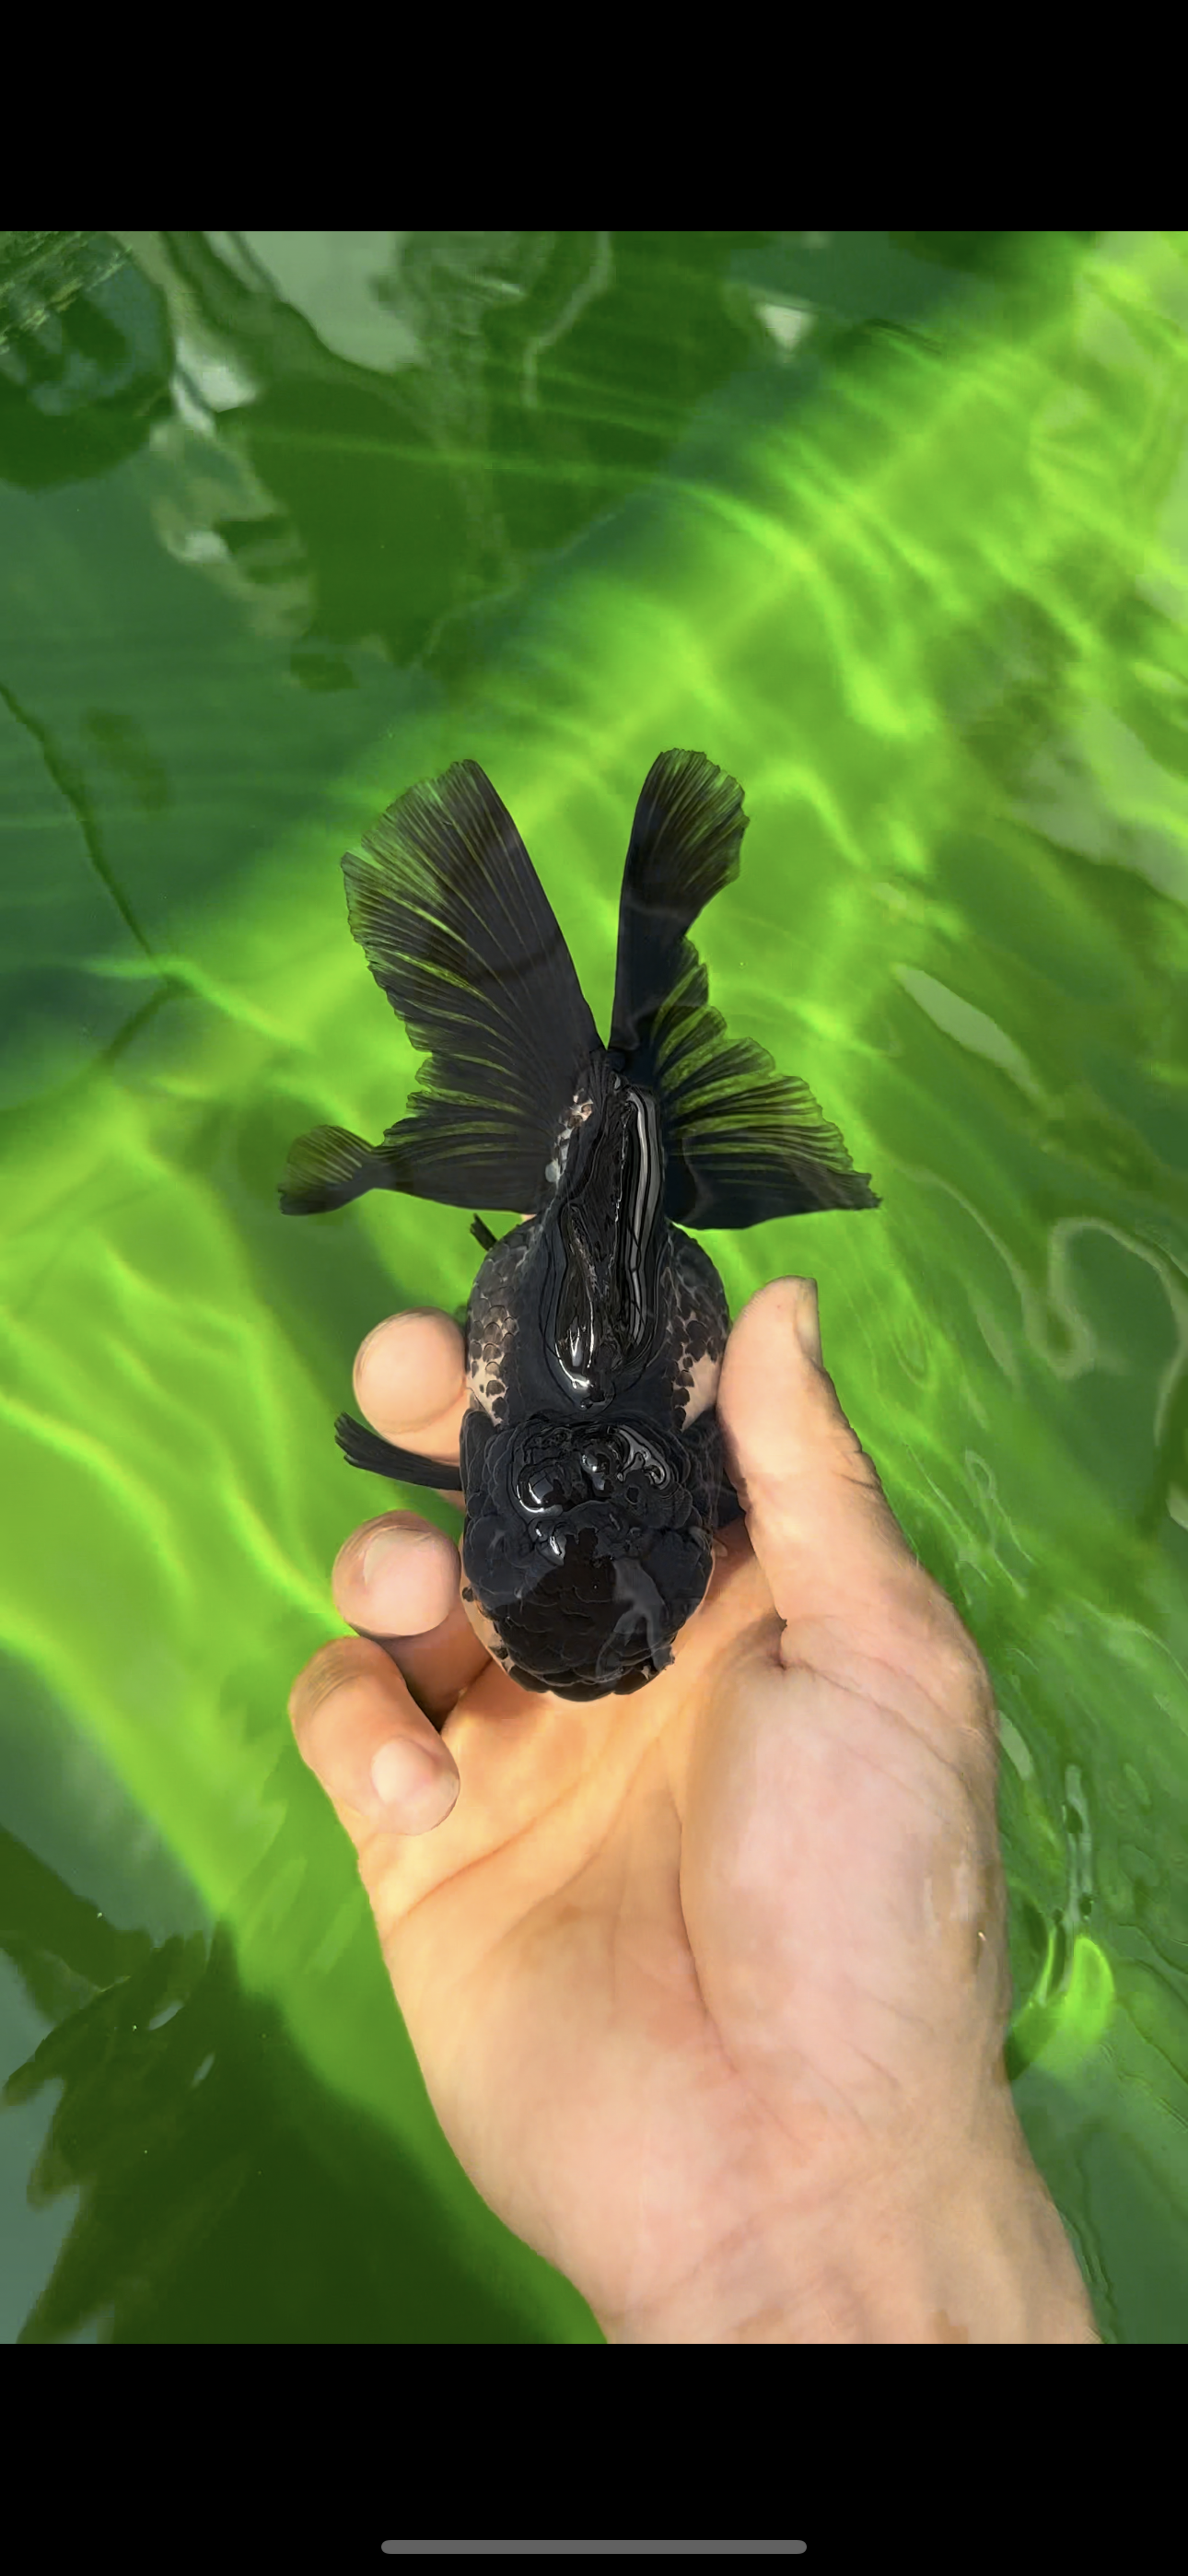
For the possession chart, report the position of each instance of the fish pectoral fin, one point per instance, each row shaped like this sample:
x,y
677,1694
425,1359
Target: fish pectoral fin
x,y
362,1447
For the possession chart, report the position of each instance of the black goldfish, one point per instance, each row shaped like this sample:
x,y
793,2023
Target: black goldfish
x,y
591,1459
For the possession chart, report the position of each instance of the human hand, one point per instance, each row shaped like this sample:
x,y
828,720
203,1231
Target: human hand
x,y
708,1983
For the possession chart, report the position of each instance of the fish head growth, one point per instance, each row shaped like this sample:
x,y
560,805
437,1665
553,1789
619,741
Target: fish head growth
x,y
588,1544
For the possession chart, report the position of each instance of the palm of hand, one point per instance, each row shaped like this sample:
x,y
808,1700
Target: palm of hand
x,y
680,1968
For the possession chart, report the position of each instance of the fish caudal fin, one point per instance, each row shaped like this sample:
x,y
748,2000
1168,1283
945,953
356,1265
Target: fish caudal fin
x,y
458,932
742,1142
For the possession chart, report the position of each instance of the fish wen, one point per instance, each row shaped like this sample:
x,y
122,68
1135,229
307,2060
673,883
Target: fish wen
x,y
591,1463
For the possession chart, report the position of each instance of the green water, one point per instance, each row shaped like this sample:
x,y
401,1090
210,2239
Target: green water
x,y
895,528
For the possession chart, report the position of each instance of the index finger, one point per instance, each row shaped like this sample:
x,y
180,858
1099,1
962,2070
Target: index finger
x,y
410,1381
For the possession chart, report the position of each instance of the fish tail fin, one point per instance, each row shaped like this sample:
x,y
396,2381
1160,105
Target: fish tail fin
x,y
458,932
742,1142
685,845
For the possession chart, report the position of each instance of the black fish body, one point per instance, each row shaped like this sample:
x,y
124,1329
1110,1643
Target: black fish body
x,y
590,1455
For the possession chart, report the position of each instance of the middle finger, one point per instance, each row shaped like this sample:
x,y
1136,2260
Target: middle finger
x,y
396,1580
410,1381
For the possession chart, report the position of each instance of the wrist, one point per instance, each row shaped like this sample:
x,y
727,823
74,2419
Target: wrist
x,y
977,2257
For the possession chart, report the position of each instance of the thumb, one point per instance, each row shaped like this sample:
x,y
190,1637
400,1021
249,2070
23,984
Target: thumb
x,y
818,1521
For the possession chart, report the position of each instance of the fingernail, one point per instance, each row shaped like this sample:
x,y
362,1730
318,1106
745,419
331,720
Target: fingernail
x,y
808,1322
410,1780
369,1338
385,1546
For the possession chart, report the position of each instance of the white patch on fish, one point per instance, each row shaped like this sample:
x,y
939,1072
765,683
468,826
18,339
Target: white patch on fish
x,y
700,1377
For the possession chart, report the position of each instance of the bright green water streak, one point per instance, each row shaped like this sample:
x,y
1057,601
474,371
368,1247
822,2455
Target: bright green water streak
x,y
937,630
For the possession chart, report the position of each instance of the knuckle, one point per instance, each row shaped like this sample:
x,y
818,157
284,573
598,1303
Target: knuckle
x,y
957,1668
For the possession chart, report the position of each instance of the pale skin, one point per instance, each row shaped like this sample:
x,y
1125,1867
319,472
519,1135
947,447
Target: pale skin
x,y
708,1984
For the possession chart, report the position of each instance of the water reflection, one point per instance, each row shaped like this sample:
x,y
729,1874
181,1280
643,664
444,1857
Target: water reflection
x,y
897,526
